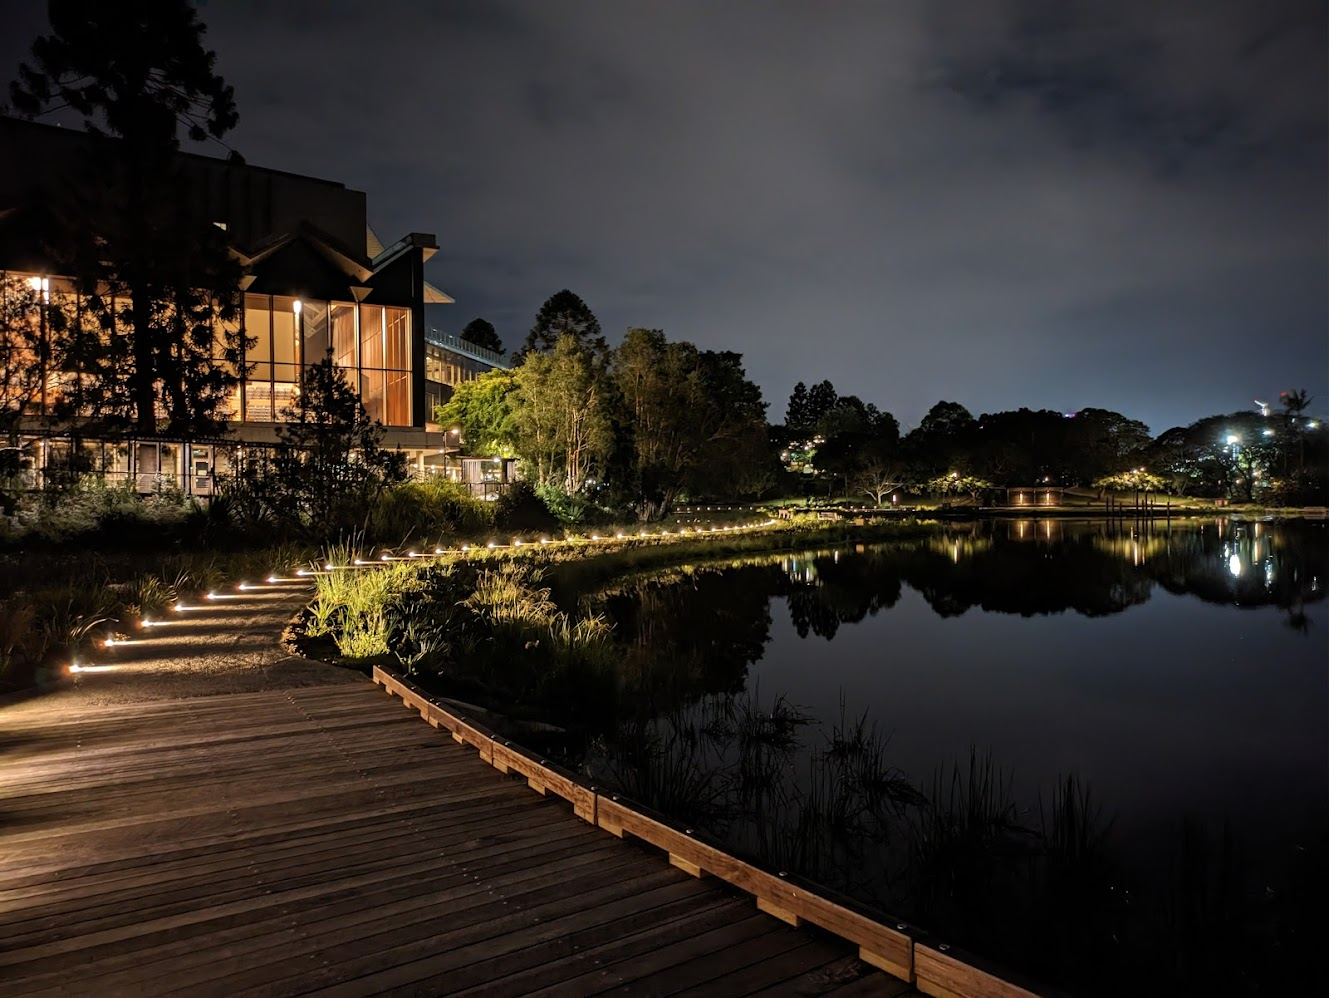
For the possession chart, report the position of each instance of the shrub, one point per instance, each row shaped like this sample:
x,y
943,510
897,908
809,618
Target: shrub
x,y
521,510
428,508
569,508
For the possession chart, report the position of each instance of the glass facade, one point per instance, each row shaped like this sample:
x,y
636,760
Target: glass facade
x,y
370,343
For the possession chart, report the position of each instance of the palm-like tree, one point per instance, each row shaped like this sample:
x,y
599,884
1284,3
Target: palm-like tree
x,y
1295,403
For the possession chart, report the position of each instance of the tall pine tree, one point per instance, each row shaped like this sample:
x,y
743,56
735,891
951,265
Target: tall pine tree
x,y
158,276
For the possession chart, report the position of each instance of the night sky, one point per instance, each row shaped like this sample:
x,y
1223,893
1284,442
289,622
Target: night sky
x,y
999,203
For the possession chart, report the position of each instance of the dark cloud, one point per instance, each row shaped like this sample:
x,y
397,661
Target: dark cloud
x,y
1005,203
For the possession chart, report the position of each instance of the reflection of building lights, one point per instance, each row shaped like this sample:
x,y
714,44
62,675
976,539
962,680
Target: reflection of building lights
x,y
1234,564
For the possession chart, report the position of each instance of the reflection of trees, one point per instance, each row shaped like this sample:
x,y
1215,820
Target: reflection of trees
x,y
846,589
1019,577
1246,564
685,639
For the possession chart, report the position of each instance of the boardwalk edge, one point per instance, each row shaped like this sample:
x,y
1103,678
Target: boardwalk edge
x,y
896,948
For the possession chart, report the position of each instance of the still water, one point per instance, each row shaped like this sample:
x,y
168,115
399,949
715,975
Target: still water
x,y
1180,671
1176,669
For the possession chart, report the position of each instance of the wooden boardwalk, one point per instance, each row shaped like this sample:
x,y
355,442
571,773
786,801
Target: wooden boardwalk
x,y
322,839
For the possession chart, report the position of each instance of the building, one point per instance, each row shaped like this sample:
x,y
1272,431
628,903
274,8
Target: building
x,y
316,278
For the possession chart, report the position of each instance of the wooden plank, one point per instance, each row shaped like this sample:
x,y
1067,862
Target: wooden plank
x,y
282,944
398,947
204,942
154,893
552,964
833,978
888,948
649,965
443,966
543,776
944,975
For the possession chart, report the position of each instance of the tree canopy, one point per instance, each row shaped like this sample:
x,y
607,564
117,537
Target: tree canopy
x,y
138,74
481,332
563,314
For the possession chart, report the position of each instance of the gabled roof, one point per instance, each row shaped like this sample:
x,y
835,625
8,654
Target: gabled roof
x,y
325,245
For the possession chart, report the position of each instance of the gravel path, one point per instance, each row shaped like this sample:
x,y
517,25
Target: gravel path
x,y
227,645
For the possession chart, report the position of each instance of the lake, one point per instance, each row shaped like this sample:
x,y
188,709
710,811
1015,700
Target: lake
x,y
1178,669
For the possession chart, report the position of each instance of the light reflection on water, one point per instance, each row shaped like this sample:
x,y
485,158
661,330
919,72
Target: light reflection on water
x,y
1176,667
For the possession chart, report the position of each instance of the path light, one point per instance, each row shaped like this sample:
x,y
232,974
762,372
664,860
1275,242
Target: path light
x,y
619,535
516,542
491,545
273,580
595,537
385,557
301,571
544,540
242,586
209,596
438,550
465,548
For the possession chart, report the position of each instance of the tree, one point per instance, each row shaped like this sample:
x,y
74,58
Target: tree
x,y
331,467
482,334
25,352
946,420
1136,480
695,421
1295,403
1100,442
483,411
796,419
878,478
958,484
137,72
563,423
941,440
563,314
822,398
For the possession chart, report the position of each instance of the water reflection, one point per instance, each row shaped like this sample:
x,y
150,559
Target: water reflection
x,y
1171,710
1031,567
